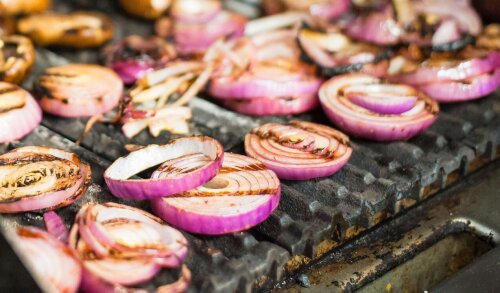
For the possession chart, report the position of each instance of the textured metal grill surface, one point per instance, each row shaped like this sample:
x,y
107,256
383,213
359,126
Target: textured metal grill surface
x,y
314,216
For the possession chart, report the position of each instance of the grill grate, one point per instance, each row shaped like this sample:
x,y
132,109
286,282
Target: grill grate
x,y
314,216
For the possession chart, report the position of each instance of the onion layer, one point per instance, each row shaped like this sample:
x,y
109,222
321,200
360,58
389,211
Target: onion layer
x,y
121,245
19,112
363,122
175,177
78,90
273,106
53,262
134,56
299,151
40,178
243,194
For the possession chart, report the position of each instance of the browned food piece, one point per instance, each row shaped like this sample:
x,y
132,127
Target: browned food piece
x,y
7,25
149,9
74,30
17,56
15,7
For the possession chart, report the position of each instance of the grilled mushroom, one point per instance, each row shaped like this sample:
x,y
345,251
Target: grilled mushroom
x,y
75,30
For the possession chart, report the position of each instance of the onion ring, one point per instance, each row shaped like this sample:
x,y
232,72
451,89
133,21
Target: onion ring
x,y
54,263
243,194
41,178
175,179
299,151
360,121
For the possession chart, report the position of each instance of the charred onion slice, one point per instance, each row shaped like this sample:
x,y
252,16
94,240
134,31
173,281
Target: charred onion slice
x,y
243,194
299,151
355,117
466,75
195,11
74,30
17,7
17,58
134,56
41,178
148,9
336,54
54,264
122,245
197,37
78,90
19,112
202,154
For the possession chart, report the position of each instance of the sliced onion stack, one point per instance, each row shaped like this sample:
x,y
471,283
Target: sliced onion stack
x,y
243,194
271,81
123,246
54,264
17,58
134,56
78,90
466,75
188,163
299,151
335,54
364,106
199,23
19,112
41,178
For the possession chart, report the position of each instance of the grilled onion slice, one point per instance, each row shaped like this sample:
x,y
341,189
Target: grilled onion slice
x,y
19,112
243,194
41,178
148,9
364,106
55,264
75,30
16,59
78,90
16,7
299,151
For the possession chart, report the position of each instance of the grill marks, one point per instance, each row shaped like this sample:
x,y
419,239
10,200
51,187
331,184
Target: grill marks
x,y
31,174
239,176
11,97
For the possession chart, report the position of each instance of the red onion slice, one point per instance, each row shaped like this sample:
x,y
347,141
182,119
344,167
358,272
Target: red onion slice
x,y
51,261
466,90
195,11
55,226
273,106
248,87
300,151
243,194
78,90
362,122
118,175
39,178
381,98
456,69
121,245
19,112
